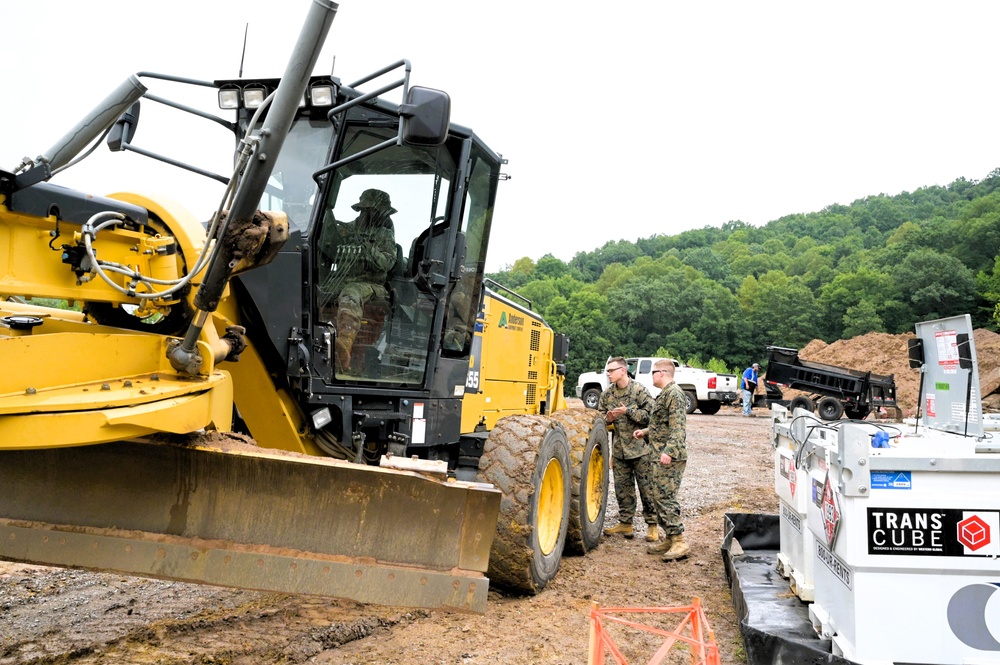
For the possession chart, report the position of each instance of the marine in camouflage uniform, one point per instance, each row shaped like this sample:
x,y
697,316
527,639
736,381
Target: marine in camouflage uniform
x,y
360,255
667,434
631,459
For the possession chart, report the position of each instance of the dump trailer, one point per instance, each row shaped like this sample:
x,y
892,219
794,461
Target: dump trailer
x,y
834,390
885,547
313,390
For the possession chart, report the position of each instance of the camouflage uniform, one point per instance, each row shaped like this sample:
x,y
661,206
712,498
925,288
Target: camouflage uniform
x,y
668,434
363,252
631,458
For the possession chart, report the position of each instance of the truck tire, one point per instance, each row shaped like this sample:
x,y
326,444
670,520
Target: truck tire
x,y
692,401
590,457
830,408
528,459
710,407
801,402
591,397
859,413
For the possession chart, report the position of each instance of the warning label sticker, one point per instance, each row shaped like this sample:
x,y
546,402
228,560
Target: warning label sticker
x,y
933,532
892,480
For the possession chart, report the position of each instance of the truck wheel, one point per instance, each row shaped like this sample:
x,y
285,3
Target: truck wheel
x,y
590,458
692,401
830,408
591,396
527,459
801,402
859,413
710,407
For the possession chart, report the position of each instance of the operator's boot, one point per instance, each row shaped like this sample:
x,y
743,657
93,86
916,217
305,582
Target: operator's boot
x,y
678,550
347,329
624,528
652,534
661,547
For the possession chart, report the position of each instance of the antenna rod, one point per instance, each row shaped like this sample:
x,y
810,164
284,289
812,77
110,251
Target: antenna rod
x,y
244,54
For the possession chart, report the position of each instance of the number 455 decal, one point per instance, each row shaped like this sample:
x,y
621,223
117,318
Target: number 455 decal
x,y
472,379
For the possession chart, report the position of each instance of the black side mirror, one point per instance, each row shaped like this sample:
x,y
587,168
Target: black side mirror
x,y
124,129
426,116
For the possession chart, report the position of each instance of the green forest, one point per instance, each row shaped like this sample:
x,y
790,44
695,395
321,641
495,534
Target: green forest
x,y
715,297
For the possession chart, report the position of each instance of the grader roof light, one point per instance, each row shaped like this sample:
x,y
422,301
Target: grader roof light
x,y
253,96
229,98
321,95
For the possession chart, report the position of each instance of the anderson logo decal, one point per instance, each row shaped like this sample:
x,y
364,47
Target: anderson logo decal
x,y
967,616
929,532
511,321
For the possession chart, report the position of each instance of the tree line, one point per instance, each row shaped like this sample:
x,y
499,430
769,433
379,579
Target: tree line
x,y
715,297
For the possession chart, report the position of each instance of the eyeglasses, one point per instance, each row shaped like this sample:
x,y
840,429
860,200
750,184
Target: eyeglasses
x,y
612,369
658,371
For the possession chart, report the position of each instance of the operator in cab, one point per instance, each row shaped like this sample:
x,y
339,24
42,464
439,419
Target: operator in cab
x,y
361,256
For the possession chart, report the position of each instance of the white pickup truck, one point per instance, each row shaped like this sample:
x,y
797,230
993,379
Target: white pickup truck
x,y
706,391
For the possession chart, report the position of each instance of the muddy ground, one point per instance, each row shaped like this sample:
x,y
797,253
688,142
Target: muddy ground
x,y
50,615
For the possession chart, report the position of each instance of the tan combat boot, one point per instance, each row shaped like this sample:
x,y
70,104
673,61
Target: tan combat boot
x,y
348,324
678,550
624,528
661,547
652,534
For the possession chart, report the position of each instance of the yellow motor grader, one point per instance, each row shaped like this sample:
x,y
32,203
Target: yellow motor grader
x,y
227,402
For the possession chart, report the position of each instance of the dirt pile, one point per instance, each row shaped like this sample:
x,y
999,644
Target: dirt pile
x,y
886,354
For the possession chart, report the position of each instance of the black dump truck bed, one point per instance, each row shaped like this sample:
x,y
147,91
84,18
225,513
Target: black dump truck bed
x,y
859,392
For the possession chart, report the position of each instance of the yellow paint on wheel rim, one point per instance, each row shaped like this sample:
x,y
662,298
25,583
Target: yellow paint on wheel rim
x,y
595,485
550,506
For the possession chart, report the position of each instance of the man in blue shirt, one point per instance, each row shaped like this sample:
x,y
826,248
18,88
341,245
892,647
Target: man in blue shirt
x,y
748,386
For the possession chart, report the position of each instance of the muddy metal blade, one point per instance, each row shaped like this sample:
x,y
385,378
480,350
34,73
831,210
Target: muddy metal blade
x,y
250,520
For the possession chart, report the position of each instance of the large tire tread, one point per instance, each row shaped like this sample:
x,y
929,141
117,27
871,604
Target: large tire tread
x,y
587,435
510,460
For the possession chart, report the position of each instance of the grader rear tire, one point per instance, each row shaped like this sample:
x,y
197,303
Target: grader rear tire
x,y
528,459
590,456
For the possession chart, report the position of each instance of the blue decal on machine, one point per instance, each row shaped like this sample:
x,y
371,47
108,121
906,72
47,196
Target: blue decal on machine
x,y
892,480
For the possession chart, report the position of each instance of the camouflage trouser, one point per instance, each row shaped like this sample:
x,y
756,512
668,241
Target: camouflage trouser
x,y
668,506
354,295
629,473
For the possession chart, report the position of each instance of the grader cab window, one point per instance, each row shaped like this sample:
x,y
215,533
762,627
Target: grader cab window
x,y
291,188
381,247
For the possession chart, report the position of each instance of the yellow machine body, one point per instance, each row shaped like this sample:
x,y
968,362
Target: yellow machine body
x,y
87,487
512,371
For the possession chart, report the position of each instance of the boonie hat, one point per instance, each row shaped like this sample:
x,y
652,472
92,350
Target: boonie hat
x,y
374,198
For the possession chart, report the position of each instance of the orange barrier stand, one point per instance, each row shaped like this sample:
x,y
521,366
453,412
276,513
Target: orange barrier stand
x,y
692,630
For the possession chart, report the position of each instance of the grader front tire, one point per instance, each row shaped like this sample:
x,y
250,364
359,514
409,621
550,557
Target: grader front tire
x,y
528,459
590,456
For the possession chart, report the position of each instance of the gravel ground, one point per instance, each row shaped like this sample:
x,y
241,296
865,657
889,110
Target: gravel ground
x,y
51,615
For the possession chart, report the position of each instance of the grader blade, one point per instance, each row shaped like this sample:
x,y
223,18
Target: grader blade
x,y
234,516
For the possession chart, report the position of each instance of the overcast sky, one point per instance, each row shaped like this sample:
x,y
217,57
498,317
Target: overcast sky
x,y
620,120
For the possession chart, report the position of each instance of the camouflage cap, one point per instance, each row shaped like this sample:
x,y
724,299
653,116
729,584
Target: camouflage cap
x,y
374,198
